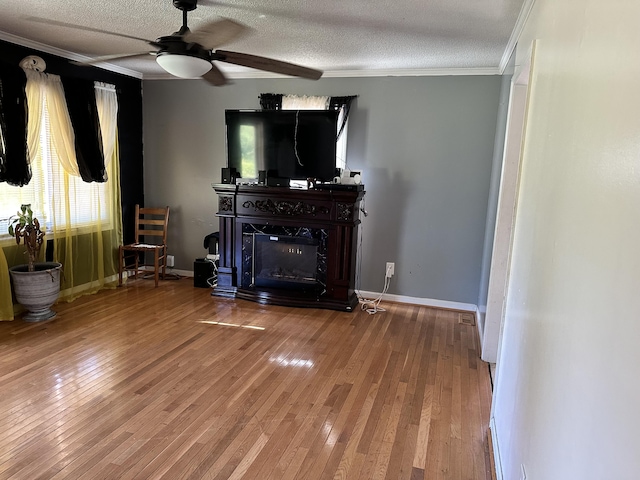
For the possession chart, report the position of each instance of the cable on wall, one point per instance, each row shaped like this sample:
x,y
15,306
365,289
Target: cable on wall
x,y
359,256
295,139
370,306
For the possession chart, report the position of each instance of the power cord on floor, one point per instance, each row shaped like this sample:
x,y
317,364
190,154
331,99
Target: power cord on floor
x,y
373,306
213,280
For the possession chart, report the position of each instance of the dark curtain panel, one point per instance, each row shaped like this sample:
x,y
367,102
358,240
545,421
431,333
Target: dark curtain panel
x,y
131,167
81,102
14,154
337,103
271,101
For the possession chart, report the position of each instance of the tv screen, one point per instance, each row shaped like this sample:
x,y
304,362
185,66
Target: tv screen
x,y
294,144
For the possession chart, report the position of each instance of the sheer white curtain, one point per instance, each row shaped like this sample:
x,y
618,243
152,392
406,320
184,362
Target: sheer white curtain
x,y
42,86
305,102
34,90
107,102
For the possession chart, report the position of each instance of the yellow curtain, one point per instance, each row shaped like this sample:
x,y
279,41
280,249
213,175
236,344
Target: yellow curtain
x,y
39,86
6,305
62,135
34,90
88,253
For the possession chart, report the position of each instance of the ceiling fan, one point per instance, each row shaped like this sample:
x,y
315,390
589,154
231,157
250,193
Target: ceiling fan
x,y
190,54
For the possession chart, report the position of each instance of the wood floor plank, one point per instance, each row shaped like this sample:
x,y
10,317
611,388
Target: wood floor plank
x,y
168,382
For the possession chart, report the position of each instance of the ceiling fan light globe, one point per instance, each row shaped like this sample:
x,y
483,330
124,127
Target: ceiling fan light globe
x,y
183,66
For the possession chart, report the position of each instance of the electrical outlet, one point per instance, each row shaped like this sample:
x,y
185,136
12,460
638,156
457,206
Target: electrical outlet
x,y
170,261
390,269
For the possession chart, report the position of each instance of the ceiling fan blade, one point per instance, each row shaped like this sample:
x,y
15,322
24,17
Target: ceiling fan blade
x,y
213,34
266,64
106,58
47,21
215,76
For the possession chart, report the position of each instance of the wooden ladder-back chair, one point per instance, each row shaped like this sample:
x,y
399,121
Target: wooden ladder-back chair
x,y
151,225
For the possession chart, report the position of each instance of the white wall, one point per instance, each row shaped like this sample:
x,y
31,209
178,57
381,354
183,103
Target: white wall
x,y
567,394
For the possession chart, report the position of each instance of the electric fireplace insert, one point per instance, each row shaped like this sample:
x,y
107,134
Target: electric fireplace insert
x,y
285,262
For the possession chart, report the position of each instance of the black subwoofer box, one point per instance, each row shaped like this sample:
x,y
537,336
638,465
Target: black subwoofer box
x,y
202,271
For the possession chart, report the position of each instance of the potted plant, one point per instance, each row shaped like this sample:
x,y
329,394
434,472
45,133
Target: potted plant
x,y
36,284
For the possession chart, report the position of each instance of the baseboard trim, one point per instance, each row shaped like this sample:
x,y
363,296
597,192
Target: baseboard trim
x,y
183,273
496,449
171,270
79,289
427,302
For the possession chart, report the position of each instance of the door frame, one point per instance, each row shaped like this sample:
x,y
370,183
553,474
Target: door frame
x,y
498,286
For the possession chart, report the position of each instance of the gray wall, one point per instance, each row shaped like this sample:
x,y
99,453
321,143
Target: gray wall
x,y
424,144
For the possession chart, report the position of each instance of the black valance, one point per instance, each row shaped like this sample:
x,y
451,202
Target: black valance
x,y
270,101
14,154
83,111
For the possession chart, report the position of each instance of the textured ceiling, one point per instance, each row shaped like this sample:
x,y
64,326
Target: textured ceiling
x,y
348,37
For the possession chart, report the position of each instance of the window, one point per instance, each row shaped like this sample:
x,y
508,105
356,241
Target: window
x,y
341,144
87,202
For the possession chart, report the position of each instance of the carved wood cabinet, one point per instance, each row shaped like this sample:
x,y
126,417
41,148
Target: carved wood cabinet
x,y
327,218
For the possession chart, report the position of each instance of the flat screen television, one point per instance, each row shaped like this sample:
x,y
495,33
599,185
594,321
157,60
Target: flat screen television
x,y
294,144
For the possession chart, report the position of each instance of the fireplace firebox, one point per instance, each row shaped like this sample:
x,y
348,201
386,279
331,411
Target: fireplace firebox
x,y
285,262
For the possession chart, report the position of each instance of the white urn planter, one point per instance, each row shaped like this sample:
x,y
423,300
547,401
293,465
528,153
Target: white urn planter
x,y
37,291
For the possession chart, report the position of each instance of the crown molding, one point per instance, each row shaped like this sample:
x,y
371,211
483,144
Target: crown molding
x,y
412,72
426,72
527,6
25,42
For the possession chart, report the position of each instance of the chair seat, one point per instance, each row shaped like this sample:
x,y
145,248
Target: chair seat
x,y
142,246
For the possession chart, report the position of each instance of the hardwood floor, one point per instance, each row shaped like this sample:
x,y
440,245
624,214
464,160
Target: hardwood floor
x,y
168,382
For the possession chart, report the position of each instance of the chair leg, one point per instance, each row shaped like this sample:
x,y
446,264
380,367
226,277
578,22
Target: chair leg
x,y
156,265
164,262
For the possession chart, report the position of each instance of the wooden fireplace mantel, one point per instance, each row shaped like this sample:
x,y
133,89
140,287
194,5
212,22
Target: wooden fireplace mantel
x,y
334,211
